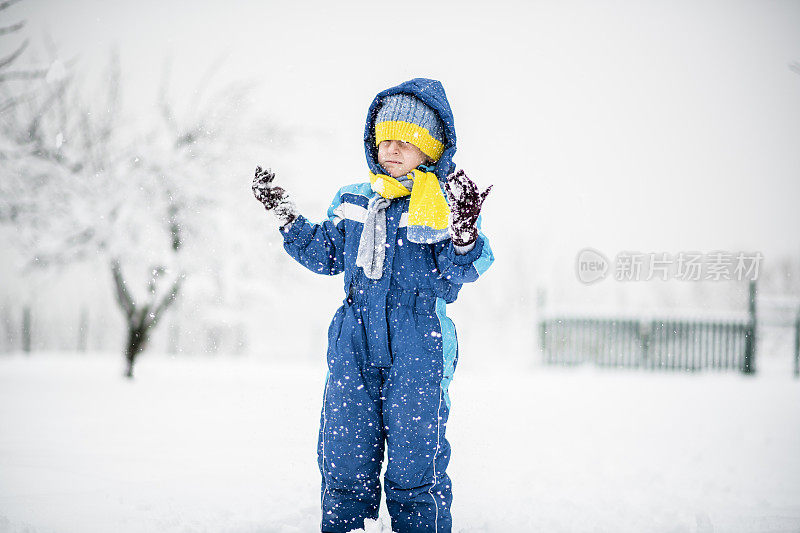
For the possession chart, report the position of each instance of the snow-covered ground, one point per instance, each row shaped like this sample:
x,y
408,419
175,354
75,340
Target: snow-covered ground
x,y
214,444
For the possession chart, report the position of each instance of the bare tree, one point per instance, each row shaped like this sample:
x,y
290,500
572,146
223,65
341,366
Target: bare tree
x,y
78,182
9,72
142,318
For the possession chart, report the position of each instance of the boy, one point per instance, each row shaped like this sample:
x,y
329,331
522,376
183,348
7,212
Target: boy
x,y
392,350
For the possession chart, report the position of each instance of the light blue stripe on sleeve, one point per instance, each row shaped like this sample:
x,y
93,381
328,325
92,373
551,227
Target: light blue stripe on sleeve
x,y
486,259
361,189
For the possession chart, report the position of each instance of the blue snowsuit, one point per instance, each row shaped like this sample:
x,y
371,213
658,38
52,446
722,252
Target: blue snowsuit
x,y
392,351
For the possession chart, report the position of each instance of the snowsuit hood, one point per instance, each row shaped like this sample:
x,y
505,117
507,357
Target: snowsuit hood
x,y
431,92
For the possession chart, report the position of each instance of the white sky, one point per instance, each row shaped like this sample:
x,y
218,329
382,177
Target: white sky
x,y
649,126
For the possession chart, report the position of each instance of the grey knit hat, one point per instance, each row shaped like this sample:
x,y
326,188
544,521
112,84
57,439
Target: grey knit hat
x,y
404,117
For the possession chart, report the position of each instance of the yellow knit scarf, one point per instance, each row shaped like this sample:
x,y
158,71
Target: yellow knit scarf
x,y
428,212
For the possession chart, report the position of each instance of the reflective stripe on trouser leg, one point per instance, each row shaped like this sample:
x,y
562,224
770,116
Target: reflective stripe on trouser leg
x,y
350,446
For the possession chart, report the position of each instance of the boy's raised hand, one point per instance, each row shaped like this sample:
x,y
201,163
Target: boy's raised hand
x,y
465,206
274,198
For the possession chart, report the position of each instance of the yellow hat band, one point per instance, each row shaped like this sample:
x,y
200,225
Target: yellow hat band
x,y
399,130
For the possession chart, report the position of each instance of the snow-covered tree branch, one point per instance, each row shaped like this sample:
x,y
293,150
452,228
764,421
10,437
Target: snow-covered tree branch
x,y
81,183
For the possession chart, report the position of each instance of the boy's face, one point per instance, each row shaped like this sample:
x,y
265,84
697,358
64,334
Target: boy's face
x,y
398,158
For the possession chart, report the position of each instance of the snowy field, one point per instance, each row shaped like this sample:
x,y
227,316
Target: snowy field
x,y
228,445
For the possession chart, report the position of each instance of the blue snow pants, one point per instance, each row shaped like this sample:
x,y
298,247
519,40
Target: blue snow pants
x,y
403,406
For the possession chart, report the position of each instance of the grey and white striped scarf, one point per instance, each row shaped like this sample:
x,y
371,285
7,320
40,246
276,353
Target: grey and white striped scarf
x,y
372,246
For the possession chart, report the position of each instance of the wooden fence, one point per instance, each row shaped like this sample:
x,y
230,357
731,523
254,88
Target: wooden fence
x,y
655,344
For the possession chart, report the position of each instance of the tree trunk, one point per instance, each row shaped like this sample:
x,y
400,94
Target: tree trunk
x,y
138,336
83,330
141,317
26,330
